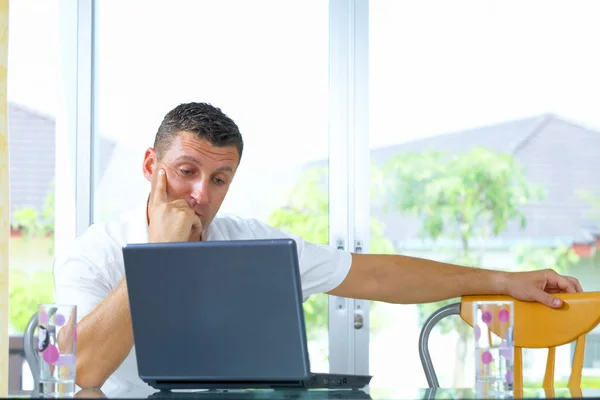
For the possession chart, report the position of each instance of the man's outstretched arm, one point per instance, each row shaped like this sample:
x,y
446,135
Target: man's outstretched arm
x,y
409,280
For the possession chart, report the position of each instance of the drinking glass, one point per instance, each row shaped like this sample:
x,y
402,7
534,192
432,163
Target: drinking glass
x,y
57,343
494,351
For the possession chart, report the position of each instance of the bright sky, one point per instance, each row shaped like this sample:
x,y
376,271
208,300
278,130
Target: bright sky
x,y
438,66
435,67
32,54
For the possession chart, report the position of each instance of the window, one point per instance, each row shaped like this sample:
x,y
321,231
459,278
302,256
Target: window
x,y
452,92
483,116
32,68
270,75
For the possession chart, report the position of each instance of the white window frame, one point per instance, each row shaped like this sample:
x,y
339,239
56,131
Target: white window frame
x,y
74,151
349,200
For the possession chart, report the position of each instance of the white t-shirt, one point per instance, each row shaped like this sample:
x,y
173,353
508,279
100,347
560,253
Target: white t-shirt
x,y
93,267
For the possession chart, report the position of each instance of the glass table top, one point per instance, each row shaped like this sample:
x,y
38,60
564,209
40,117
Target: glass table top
x,y
375,393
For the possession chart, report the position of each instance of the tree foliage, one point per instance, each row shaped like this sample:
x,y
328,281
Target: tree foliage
x,y
460,197
32,222
28,289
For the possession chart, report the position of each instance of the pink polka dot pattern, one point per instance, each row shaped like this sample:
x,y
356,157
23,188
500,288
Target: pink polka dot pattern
x,y
503,315
487,317
59,320
43,318
486,357
50,355
509,377
477,332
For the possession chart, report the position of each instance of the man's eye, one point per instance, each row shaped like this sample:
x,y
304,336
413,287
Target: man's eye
x,y
219,181
185,171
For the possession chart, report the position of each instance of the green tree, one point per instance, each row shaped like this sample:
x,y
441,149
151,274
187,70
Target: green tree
x,y
34,223
28,289
459,199
306,214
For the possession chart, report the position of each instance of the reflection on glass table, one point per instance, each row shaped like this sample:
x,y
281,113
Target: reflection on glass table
x,y
378,393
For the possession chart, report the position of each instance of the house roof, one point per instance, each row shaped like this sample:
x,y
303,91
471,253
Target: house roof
x,y
557,154
32,156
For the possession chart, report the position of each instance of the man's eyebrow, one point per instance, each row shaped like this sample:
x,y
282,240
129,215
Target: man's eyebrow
x,y
188,158
225,169
196,161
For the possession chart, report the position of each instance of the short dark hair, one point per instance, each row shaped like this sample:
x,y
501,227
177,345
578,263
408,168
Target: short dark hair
x,y
204,120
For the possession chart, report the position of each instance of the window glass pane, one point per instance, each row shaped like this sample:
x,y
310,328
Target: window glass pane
x,y
265,64
485,129
32,72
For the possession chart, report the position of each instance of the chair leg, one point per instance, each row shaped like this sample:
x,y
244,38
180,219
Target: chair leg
x,y
31,354
518,368
550,363
450,309
577,366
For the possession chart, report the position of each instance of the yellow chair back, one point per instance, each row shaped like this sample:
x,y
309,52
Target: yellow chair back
x,y
538,326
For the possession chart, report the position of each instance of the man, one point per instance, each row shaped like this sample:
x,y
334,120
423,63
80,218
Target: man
x,y
196,153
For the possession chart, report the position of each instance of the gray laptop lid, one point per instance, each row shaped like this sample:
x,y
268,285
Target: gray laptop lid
x,y
222,310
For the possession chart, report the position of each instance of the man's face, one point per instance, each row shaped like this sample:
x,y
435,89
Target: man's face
x,y
196,172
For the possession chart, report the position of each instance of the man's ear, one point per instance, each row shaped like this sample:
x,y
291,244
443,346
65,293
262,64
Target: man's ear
x,y
149,164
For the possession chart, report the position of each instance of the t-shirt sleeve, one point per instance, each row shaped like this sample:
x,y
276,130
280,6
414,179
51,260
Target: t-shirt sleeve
x,y
78,279
322,267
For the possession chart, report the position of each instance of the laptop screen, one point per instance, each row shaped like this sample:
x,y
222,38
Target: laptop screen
x,y
222,310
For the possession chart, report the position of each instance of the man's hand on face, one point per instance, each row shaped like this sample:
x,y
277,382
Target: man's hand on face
x,y
539,286
173,221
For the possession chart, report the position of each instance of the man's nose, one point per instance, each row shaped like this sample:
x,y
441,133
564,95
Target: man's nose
x,y
200,192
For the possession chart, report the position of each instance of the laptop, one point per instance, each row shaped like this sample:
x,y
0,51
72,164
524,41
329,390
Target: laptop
x,y
222,315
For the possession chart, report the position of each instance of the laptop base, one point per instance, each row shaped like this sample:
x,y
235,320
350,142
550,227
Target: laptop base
x,y
262,394
314,381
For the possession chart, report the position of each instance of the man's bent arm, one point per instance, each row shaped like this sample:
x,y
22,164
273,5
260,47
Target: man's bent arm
x,y
409,280
104,339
